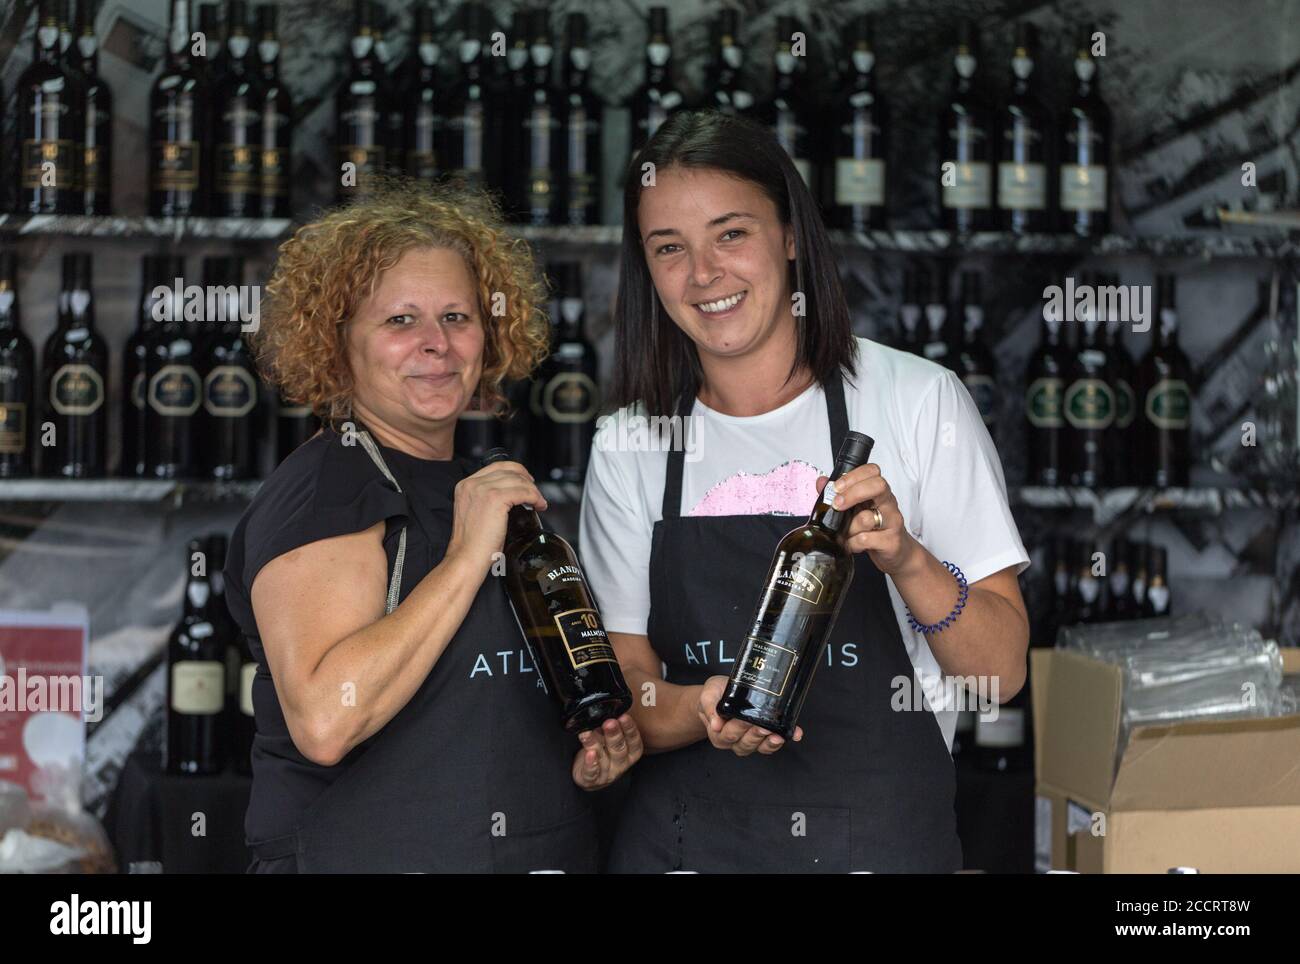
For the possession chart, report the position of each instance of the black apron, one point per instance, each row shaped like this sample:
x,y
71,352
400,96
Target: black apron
x,y
868,788
454,782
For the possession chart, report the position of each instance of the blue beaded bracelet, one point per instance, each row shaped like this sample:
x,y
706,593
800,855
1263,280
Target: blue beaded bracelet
x,y
963,592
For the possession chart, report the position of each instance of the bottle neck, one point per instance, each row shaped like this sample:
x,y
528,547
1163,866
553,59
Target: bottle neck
x,y
8,305
198,597
824,514
523,524
178,35
45,44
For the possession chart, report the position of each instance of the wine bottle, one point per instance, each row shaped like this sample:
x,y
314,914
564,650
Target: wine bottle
x,y
478,431
1084,145
362,111
1000,743
17,378
570,396
1141,555
582,128
934,336
658,96
975,362
1088,605
965,143
1121,580
97,162
212,64
805,587
1124,368
786,111
1023,145
1166,399
559,620
1089,403
230,412
1155,600
196,678
76,93
421,92
468,142
50,125
1044,405
511,117
75,376
245,729
276,109
227,633
909,311
238,100
178,127
395,122
723,80
173,397
294,424
860,139
156,271
544,137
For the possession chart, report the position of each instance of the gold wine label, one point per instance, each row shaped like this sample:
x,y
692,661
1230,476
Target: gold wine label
x,y
799,581
584,637
766,666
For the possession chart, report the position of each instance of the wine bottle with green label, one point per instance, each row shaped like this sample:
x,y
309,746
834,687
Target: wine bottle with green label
x,y
1165,396
805,587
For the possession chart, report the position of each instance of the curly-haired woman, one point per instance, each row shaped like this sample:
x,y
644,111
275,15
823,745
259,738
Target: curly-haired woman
x,y
400,722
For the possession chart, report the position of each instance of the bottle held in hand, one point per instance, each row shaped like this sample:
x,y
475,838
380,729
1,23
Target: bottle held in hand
x,y
559,620
805,588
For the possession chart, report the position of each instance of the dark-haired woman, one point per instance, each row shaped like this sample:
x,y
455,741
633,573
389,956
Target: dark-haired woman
x,y
730,311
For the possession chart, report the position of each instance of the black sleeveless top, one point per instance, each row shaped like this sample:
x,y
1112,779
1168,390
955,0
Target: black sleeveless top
x,y
324,489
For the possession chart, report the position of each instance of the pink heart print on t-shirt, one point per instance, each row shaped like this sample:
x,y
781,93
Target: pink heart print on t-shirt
x,y
788,489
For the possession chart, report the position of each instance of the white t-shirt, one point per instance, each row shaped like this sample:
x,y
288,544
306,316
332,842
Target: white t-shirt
x,y
930,443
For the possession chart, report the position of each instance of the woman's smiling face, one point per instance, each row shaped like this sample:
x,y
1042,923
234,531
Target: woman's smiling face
x,y
719,258
416,344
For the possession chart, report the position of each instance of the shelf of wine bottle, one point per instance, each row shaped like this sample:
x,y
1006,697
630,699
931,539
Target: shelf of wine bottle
x,y
1108,504
197,490
87,226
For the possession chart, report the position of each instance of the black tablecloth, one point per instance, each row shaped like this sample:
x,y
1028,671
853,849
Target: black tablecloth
x,y
153,816
193,825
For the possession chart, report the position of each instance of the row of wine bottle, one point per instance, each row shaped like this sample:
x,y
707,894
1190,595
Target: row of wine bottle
x,y
192,405
221,121
1095,416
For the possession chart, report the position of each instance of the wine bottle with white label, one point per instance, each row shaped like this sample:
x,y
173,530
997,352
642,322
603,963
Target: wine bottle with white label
x,y
724,84
1084,147
966,152
471,112
787,112
276,109
196,676
805,587
559,620
1023,144
975,362
1156,599
1165,396
658,95
50,124
178,126
98,154
363,115
859,148
583,117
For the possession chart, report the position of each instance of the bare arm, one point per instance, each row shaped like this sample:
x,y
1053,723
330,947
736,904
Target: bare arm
x,y
671,720
342,668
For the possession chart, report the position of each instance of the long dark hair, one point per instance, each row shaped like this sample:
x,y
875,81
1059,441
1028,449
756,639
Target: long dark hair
x,y
655,362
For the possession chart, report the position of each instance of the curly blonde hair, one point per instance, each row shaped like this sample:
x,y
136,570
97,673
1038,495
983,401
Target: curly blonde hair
x,y
330,266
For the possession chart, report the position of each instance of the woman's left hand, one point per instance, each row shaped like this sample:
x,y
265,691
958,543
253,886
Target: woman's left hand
x,y
607,753
891,546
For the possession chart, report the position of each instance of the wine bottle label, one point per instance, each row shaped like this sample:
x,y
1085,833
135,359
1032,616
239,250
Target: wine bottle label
x,y
1007,730
584,637
175,390
1090,404
1169,404
13,427
571,397
582,182
971,188
799,580
984,390
560,577
1125,403
229,391
1083,187
468,129
237,168
295,411
274,181
859,181
1044,405
246,674
198,686
36,154
765,666
935,349
176,165
76,390
1022,187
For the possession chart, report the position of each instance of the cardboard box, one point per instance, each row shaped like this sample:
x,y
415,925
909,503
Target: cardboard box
x,y
1220,796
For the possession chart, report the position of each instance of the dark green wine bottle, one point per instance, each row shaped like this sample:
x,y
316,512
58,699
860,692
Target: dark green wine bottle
x,y
806,585
559,620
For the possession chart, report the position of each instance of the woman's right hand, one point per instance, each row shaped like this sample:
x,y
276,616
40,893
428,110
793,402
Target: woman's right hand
x,y
739,737
482,505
